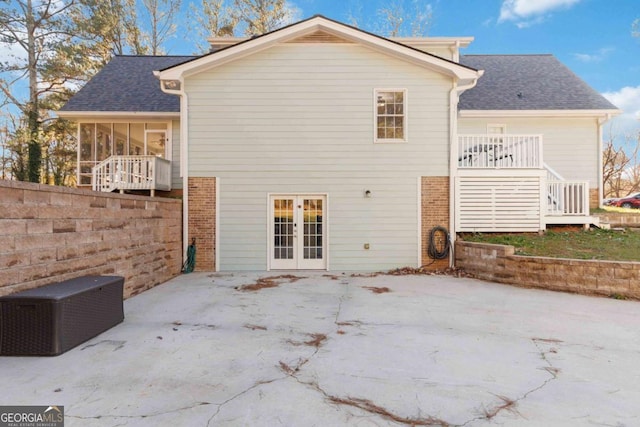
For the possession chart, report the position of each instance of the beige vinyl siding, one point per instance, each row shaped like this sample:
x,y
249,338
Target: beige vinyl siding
x,y
176,179
570,144
299,119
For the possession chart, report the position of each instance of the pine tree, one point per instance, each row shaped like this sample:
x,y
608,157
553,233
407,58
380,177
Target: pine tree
x,y
33,29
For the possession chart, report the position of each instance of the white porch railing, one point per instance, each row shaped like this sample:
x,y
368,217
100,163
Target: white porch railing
x,y
567,198
132,173
500,151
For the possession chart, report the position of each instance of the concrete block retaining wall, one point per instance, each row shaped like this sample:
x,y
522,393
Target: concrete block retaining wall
x,y
49,234
499,264
618,219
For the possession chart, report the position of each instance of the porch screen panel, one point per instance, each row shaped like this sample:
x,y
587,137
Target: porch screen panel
x,y
87,152
136,139
103,141
121,138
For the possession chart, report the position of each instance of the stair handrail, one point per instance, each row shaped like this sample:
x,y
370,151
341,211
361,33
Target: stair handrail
x,y
552,173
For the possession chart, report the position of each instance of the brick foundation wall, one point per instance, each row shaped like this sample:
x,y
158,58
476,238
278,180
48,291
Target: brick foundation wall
x,y
498,263
202,221
49,234
594,199
435,212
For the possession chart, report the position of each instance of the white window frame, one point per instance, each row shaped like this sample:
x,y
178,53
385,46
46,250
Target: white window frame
x,y
405,113
501,126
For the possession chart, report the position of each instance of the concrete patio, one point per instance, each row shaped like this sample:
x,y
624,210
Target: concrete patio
x,y
320,349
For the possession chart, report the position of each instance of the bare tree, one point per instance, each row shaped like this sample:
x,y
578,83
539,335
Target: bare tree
x,y
621,166
162,15
392,18
399,18
215,19
262,16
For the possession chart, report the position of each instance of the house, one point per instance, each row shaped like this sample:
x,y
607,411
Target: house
x,y
322,146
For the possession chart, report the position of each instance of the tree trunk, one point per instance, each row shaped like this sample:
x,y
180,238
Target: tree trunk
x,y
33,122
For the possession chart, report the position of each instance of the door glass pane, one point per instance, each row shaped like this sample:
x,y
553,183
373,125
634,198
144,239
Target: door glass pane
x,y
136,139
283,228
156,142
312,229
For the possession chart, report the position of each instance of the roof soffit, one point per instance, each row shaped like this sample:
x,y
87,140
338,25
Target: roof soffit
x,y
331,30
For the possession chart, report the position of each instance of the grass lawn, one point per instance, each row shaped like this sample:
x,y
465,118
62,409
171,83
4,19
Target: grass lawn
x,y
569,243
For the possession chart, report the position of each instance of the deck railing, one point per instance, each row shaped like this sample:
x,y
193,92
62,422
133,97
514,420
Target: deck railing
x,y
500,151
132,173
567,198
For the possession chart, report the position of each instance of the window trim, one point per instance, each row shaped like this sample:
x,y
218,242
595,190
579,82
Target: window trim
x,y
502,126
405,114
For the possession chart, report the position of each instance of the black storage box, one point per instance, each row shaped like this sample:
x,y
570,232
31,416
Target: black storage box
x,y
50,320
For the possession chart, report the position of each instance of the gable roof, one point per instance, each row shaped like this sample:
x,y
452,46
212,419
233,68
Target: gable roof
x,y
318,23
127,84
528,82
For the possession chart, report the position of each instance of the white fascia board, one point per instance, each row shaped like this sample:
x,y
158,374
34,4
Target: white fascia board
x,y
434,41
308,27
117,114
539,113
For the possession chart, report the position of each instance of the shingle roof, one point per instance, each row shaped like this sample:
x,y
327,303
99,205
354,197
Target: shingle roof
x,y
127,84
510,82
528,82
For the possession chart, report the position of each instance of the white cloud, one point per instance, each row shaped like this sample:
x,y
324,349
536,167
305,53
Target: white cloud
x,y
530,12
598,56
628,100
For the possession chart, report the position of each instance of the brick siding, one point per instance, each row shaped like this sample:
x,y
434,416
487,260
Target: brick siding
x,y
202,221
594,199
49,234
435,212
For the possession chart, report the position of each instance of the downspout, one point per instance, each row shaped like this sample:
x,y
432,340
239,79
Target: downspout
x,y
601,121
453,166
454,97
184,153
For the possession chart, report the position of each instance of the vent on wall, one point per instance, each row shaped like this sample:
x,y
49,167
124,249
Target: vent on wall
x,y
319,37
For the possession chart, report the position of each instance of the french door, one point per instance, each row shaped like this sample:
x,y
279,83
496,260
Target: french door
x,y
297,232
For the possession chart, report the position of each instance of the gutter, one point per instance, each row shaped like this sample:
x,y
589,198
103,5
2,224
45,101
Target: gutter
x,y
184,151
454,98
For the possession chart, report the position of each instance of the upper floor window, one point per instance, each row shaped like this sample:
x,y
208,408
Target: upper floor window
x,y
391,115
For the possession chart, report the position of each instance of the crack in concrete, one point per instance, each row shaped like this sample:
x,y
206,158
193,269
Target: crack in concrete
x,y
156,414
510,404
363,404
375,410
237,395
289,370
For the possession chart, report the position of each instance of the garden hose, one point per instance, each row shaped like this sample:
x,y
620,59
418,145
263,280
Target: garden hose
x,y
190,262
439,244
